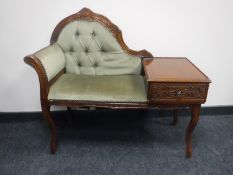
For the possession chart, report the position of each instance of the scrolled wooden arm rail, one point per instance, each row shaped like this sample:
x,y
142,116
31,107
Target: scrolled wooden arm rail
x,y
34,62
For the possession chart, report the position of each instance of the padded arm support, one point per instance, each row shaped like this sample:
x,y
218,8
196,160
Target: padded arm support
x,y
53,60
47,62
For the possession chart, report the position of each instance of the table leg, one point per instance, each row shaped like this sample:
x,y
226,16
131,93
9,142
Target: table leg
x,y
175,117
195,112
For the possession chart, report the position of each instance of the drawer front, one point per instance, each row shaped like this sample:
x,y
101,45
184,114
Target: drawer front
x,y
162,91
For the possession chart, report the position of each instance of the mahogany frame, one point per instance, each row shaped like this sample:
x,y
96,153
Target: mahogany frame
x,y
45,84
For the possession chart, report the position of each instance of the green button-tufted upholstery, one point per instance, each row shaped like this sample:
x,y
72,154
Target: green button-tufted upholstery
x,y
97,68
104,88
91,49
53,60
87,64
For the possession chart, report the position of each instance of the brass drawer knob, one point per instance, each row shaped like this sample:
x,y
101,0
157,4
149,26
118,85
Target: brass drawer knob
x,y
178,93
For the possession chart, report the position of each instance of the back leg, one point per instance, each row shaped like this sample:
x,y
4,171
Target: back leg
x,y
175,117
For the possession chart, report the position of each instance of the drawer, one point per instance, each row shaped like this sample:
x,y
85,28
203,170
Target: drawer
x,y
163,91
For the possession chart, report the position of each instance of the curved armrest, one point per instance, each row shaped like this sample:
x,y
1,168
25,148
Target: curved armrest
x,y
52,59
48,63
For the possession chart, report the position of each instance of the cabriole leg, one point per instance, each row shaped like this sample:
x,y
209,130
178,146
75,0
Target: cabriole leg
x,y
195,113
53,132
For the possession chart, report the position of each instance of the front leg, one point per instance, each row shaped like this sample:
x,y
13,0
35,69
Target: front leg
x,y
195,112
53,131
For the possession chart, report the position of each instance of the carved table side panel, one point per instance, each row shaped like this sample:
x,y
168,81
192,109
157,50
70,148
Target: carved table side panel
x,y
159,91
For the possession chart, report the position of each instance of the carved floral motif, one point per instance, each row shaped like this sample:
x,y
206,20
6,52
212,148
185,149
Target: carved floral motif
x,y
163,90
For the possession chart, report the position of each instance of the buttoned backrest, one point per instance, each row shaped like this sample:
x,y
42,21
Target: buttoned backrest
x,y
90,48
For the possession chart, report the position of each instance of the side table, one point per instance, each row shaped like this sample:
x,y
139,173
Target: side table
x,y
176,82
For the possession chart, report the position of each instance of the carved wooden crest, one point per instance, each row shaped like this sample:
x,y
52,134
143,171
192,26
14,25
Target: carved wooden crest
x,y
87,14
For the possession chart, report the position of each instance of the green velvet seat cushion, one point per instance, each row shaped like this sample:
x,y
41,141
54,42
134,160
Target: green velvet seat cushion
x,y
104,88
